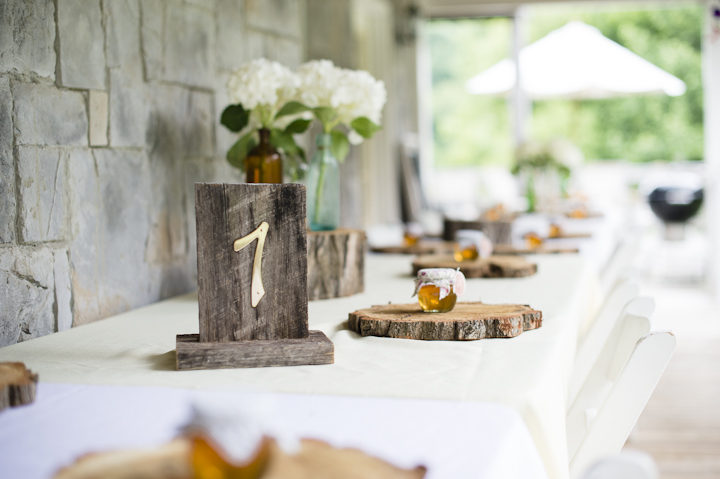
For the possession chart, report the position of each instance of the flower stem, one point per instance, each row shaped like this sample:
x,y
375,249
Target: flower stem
x,y
319,192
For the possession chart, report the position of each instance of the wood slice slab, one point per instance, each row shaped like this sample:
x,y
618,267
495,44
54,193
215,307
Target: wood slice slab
x,y
422,247
17,385
192,354
496,266
336,265
467,321
502,249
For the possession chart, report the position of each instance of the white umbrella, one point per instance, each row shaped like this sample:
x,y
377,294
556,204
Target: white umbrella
x,y
577,61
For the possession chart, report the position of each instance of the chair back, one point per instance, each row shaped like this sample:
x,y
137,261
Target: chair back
x,y
611,401
591,344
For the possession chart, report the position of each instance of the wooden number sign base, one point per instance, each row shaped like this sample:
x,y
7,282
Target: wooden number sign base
x,y
467,321
492,267
192,354
336,263
17,385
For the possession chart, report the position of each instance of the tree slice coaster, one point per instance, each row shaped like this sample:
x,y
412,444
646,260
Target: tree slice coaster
x,y
496,266
467,321
502,249
17,385
422,247
336,265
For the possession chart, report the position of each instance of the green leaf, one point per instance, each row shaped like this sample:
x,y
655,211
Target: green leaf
x,y
298,126
292,108
286,142
340,146
239,151
235,118
325,114
365,127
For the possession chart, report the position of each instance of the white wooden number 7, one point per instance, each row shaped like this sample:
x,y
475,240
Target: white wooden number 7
x,y
256,285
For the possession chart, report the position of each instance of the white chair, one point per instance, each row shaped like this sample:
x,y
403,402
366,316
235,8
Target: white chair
x,y
618,263
592,342
625,465
616,391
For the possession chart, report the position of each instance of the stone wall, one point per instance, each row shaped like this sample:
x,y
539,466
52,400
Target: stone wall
x,y
108,116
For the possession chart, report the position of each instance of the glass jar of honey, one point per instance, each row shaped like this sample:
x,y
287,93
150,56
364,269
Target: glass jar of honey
x,y
437,289
413,234
470,245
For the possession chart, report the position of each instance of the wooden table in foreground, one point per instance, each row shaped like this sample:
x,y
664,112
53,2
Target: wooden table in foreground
x,y
527,373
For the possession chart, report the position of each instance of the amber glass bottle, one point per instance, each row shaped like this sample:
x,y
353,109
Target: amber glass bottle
x,y
263,163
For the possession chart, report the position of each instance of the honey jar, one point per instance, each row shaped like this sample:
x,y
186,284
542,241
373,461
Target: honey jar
x,y
471,244
533,241
437,289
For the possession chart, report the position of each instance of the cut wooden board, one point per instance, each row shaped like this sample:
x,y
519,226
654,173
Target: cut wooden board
x,y
315,459
421,247
17,385
336,263
192,354
467,321
503,249
493,267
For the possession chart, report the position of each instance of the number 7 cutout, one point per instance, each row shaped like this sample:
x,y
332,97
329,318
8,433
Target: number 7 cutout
x,y
256,285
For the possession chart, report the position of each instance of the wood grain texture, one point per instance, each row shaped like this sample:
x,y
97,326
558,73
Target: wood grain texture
x,y
467,321
496,266
192,354
227,212
506,249
336,263
499,232
17,385
421,247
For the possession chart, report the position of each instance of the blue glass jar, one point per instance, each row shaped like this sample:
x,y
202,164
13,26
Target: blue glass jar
x,y
323,187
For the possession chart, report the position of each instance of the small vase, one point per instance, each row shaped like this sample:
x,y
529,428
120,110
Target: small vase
x,y
323,188
263,163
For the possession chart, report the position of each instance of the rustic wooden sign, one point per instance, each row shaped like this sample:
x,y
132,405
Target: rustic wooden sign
x,y
252,280
496,266
467,321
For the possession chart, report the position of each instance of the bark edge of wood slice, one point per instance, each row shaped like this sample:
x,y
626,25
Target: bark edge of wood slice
x,y
336,263
496,266
466,322
18,385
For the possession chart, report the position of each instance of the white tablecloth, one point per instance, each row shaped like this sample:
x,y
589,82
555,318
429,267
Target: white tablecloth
x,y
529,373
452,439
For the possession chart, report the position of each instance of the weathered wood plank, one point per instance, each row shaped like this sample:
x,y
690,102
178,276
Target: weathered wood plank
x,y
226,213
496,266
192,354
467,321
17,385
336,263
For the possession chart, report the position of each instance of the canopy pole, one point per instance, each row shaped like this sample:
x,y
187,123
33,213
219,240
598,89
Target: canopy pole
x,y
521,104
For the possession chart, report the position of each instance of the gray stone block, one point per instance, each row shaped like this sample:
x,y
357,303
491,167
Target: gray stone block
x,y
283,17
198,134
98,117
41,194
153,13
27,37
82,44
125,191
189,46
27,295
122,36
287,51
7,165
45,115
85,266
63,291
128,110
196,170
231,47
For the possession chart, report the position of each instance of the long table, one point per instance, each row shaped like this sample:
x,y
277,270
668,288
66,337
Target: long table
x,y
529,373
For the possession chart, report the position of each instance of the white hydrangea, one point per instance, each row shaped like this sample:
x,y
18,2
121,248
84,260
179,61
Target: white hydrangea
x,y
352,93
262,84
